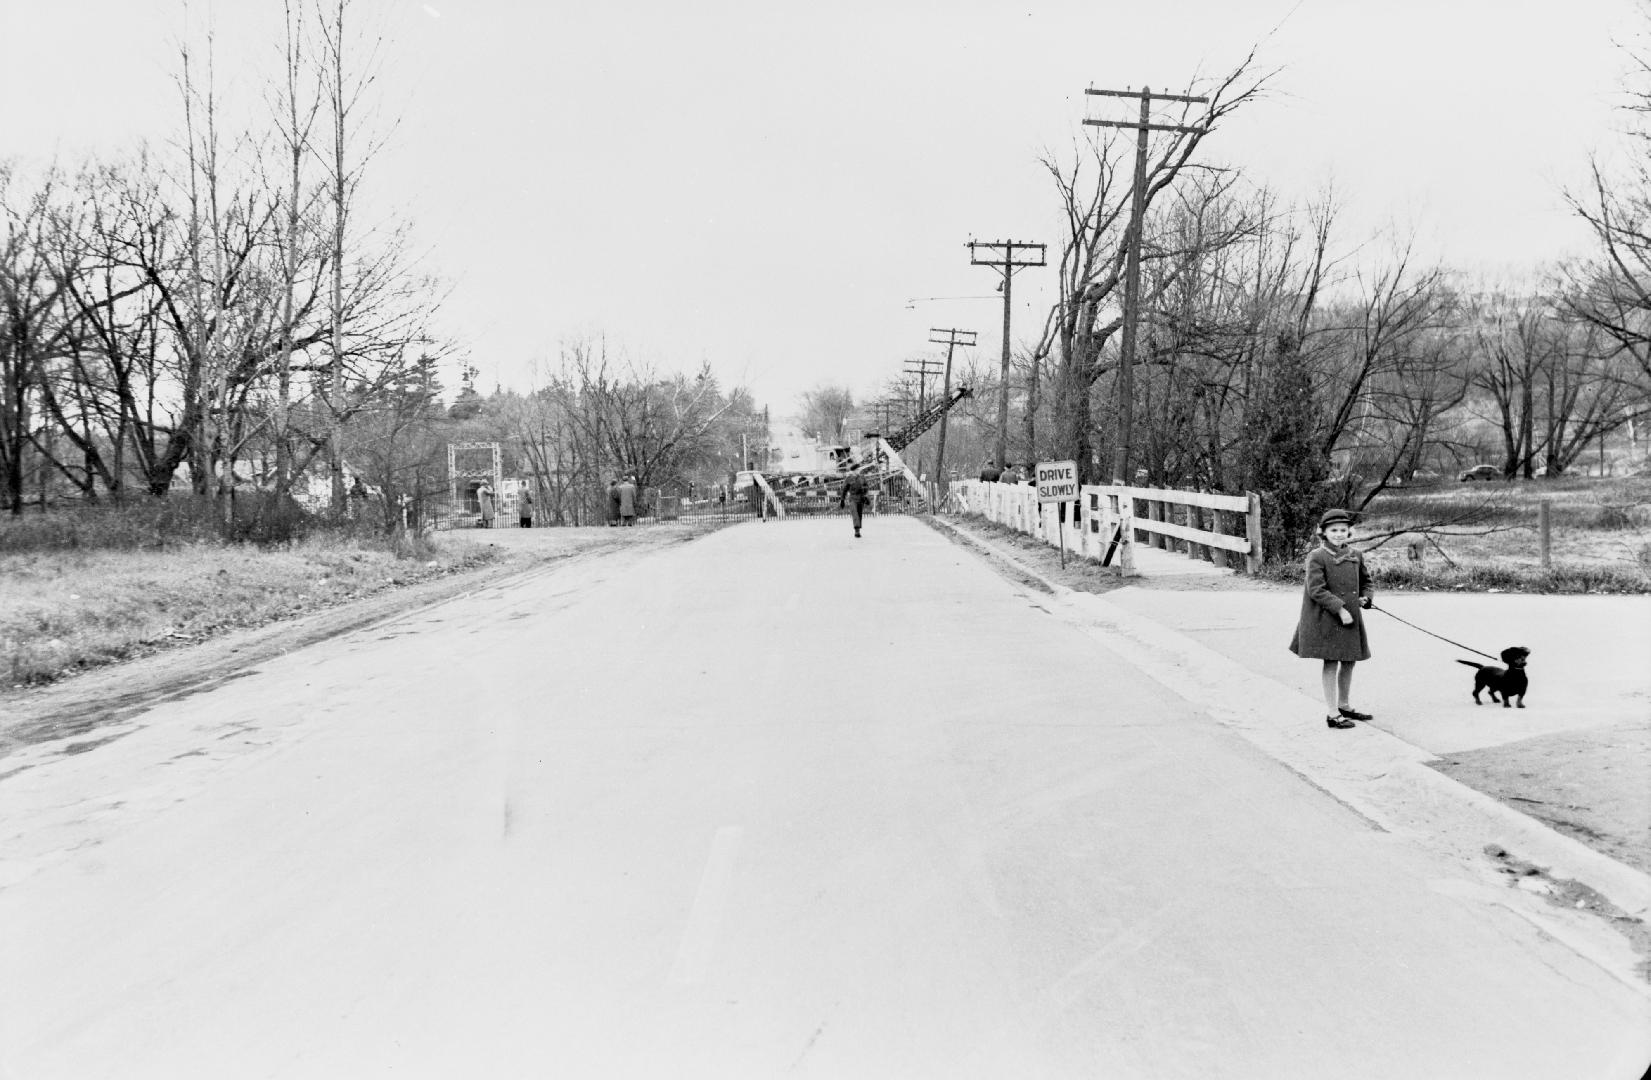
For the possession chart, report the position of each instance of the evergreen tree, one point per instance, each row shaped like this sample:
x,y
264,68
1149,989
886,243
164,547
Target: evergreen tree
x,y
1285,461
469,403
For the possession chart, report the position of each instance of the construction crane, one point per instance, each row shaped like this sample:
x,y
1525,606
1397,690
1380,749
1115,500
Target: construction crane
x,y
925,420
885,462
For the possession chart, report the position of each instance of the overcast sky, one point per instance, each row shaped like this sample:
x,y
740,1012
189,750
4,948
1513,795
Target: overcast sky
x,y
768,186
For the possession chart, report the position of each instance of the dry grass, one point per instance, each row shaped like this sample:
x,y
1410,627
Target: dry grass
x,y
1487,536
65,610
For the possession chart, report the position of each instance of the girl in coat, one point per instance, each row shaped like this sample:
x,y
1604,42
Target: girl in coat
x,y
1331,627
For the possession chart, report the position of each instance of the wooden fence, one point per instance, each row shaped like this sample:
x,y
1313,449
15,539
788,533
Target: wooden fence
x,y
1110,520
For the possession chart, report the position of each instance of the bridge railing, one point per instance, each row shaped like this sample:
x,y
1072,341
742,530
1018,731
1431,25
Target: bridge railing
x,y
1109,520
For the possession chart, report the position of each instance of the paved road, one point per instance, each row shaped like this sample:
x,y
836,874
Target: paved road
x,y
774,802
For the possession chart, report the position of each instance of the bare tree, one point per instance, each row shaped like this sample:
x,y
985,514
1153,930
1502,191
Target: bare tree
x,y
1555,383
826,410
630,418
294,112
34,332
345,83
1610,292
1095,248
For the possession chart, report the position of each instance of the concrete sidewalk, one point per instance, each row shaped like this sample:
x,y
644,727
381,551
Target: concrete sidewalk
x,y
1224,649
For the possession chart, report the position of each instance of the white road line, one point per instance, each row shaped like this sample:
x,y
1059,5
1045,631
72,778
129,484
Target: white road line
x,y
700,936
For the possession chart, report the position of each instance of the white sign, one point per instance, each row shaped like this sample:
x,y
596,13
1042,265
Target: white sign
x,y
1057,481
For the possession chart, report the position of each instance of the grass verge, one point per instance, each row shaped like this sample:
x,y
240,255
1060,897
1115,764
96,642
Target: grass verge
x,y
65,610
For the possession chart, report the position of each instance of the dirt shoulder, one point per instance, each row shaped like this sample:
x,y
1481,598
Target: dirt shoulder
x,y
1593,785
79,705
1085,575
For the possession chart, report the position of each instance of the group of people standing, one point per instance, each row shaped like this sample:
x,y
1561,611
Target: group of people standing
x,y
623,503
1008,474
487,504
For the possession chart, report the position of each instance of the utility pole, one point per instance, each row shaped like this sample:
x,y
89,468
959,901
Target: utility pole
x,y
922,369
952,340
1007,264
885,413
1121,466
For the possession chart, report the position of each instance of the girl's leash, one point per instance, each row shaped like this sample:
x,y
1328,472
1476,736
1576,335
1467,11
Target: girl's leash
x,y
1430,633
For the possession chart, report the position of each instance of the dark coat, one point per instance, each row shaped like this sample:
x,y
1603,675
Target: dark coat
x,y
1332,586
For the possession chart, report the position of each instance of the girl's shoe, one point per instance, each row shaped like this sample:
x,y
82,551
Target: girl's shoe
x,y
1354,714
1338,722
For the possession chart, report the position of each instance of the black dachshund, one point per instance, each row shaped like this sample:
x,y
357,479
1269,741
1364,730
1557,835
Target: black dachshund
x,y
1504,684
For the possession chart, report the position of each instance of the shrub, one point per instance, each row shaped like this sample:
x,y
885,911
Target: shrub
x,y
260,517
152,523
1614,517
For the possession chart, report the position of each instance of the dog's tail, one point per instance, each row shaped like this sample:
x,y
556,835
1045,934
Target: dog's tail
x,y
1470,663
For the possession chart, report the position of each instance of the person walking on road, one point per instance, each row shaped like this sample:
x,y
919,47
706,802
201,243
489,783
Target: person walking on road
x,y
524,508
854,496
613,502
484,501
627,501
1331,627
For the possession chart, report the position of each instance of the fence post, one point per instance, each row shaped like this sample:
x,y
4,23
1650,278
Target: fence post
x,y
1545,522
1220,522
1126,553
1252,530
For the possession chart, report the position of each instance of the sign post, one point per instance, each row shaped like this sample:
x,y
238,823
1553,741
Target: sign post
x,y
1058,483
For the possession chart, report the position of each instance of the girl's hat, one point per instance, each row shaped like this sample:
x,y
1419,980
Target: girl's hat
x,y
1335,517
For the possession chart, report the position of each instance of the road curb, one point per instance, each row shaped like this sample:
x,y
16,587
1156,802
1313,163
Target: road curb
x,y
1382,777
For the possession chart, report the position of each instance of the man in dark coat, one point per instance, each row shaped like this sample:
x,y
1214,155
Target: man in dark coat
x,y
854,496
627,501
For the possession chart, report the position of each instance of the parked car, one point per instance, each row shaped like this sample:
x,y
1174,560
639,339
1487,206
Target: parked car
x,y
1481,472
